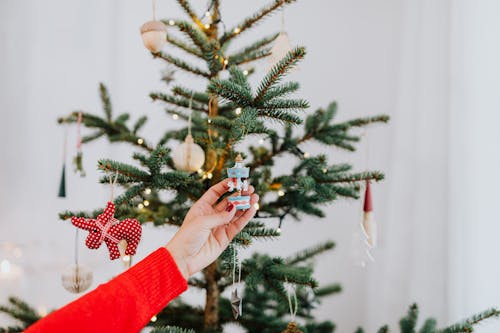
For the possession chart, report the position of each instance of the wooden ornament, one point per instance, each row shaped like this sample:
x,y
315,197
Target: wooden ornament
x,y
188,156
154,35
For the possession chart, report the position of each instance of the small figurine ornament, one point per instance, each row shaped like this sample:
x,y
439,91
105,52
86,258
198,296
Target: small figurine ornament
x,y
111,231
238,181
369,224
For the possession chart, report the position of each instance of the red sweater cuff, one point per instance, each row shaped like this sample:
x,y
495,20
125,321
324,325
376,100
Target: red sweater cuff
x,y
160,279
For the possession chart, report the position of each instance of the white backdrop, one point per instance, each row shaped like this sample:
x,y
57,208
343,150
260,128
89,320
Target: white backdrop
x,y
432,65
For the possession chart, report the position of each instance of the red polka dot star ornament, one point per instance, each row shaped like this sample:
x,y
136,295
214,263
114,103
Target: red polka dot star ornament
x,y
106,228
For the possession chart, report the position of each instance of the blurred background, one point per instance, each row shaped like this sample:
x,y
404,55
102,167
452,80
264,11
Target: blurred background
x,y
432,65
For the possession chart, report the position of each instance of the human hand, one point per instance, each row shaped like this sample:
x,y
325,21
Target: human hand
x,y
208,228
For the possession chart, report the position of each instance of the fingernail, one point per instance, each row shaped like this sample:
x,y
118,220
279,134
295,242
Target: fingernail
x,y
229,207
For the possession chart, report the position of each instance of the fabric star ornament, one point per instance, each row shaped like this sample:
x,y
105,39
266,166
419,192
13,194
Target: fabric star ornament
x,y
236,305
106,228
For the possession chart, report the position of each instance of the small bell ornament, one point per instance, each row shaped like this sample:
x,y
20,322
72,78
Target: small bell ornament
x,y
154,35
188,156
369,223
77,278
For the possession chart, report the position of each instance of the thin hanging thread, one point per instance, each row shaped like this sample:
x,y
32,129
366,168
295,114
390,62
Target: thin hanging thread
x,y
283,20
190,112
234,266
112,182
293,310
154,10
76,247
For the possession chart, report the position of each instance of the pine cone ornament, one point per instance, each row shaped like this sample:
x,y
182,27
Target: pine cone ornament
x,y
292,328
111,231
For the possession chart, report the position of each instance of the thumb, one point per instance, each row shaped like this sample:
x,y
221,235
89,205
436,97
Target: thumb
x,y
223,217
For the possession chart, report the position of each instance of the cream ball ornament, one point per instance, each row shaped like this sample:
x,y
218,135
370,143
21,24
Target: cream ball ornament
x,y
77,278
188,156
154,35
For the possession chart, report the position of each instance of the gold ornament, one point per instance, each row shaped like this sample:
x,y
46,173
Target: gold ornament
x,y
292,328
154,35
188,156
77,278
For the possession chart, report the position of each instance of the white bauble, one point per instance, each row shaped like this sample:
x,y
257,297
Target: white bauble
x,y
154,35
77,278
188,156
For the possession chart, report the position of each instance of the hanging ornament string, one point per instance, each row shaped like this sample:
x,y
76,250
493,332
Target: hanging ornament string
x,y
190,112
154,10
236,262
283,20
112,182
295,306
76,247
78,132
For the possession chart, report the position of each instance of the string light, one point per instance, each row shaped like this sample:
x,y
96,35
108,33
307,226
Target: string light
x,y
278,230
207,14
140,141
126,258
209,175
147,191
200,171
146,203
261,141
281,193
256,206
237,30
175,116
245,72
237,111
306,155
325,170
207,26
226,62
154,319
140,206
209,121
171,22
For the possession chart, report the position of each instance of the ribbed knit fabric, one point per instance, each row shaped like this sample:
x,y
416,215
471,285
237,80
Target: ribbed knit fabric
x,y
124,304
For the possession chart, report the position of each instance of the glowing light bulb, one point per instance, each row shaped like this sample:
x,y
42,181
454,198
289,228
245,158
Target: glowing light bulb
x,y
126,258
154,319
281,193
140,141
237,30
278,230
306,155
226,62
207,14
175,116
209,175
209,121
171,22
256,206
245,72
261,141
237,111
207,25
146,203
5,266
147,191
140,206
200,171
325,170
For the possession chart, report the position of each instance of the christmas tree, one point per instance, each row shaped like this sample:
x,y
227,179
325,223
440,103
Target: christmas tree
x,y
222,119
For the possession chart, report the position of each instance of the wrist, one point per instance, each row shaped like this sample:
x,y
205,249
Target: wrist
x,y
179,259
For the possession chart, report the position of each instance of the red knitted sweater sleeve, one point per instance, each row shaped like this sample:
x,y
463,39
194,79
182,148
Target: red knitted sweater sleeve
x,y
124,304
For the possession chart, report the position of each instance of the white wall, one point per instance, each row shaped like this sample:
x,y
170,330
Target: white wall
x,y
371,56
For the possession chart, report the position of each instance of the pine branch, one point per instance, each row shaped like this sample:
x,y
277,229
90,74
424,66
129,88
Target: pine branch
x,y
256,46
171,329
184,46
106,102
279,70
468,324
189,11
182,101
252,20
20,310
309,253
182,64
409,322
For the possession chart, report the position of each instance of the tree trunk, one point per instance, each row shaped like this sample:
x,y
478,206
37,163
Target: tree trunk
x,y
212,299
